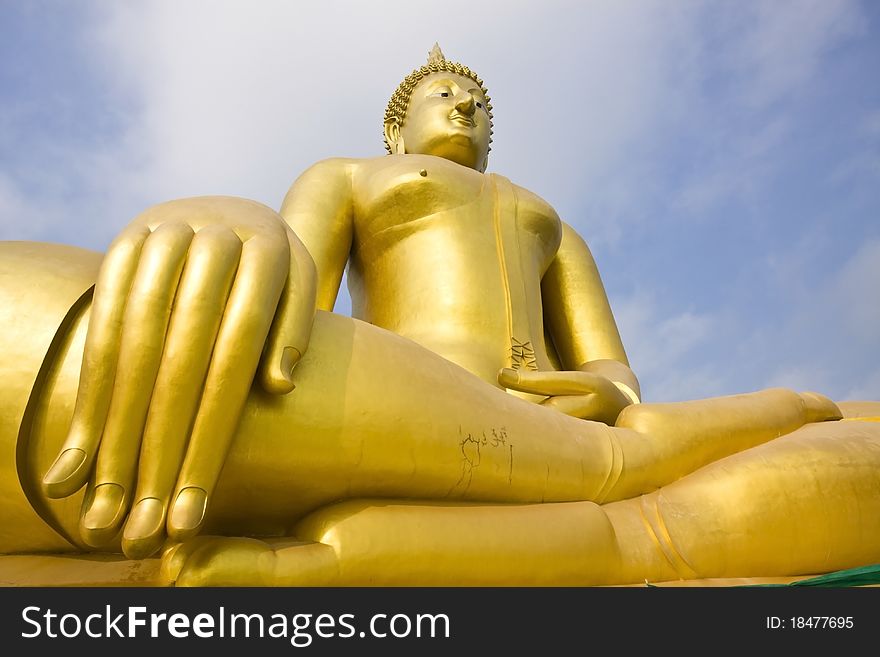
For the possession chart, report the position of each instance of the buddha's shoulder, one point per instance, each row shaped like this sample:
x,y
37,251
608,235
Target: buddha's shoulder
x,y
336,171
528,201
335,164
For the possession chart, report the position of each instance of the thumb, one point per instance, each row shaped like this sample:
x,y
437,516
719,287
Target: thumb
x,y
551,382
292,326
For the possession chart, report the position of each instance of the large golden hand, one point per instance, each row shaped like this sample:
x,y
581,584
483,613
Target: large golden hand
x,y
189,296
583,394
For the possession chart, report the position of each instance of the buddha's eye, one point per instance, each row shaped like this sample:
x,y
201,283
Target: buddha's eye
x,y
444,94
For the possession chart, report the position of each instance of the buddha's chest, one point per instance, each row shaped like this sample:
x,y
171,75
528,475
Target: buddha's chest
x,y
399,190
403,195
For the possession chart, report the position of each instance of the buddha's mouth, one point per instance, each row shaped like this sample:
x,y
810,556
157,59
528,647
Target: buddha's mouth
x,y
462,119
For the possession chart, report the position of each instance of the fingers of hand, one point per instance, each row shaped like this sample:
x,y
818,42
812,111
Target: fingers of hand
x,y
71,469
243,330
145,323
552,383
600,407
192,330
585,407
292,326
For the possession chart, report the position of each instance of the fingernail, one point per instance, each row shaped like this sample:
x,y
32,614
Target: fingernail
x,y
289,358
173,559
145,519
189,509
510,374
105,507
65,466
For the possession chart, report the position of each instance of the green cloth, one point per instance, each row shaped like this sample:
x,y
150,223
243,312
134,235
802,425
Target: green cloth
x,y
862,576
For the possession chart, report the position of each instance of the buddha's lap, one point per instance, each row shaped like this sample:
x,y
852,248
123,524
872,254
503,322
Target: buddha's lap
x,y
339,337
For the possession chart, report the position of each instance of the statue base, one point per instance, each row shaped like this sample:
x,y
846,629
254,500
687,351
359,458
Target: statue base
x,y
97,570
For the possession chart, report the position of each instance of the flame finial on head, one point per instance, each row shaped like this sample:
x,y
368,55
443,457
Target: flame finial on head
x,y
436,55
396,110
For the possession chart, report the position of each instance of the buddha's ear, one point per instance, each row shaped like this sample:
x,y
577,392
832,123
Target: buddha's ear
x,y
393,136
485,164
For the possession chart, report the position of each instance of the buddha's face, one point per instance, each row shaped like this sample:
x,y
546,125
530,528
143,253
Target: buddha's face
x,y
447,117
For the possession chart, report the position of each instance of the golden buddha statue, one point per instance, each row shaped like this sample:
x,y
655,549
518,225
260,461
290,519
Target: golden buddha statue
x,y
476,422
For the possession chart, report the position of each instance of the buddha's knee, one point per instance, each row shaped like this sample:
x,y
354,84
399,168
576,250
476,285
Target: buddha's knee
x,y
44,297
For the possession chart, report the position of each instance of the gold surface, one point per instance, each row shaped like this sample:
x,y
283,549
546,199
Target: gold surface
x,y
475,423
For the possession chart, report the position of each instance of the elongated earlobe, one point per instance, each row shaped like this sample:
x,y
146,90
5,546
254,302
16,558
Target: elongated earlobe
x,y
393,137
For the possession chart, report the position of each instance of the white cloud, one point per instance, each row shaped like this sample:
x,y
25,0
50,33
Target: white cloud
x,y
781,52
762,72
870,126
661,346
18,218
236,100
831,339
225,97
854,293
866,389
739,169
798,377
863,163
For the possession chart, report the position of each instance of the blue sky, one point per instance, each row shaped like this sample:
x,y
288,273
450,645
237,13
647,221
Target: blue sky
x,y
721,159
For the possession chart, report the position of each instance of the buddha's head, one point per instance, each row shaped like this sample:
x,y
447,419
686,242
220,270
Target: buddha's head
x,y
441,109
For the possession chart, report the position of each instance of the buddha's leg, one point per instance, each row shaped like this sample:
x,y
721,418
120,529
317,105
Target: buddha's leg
x,y
41,288
375,415
659,443
802,504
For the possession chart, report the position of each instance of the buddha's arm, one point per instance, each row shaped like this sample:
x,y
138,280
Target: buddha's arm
x,y
319,208
581,324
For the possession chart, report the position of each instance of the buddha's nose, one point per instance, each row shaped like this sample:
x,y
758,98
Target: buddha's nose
x,y
465,104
